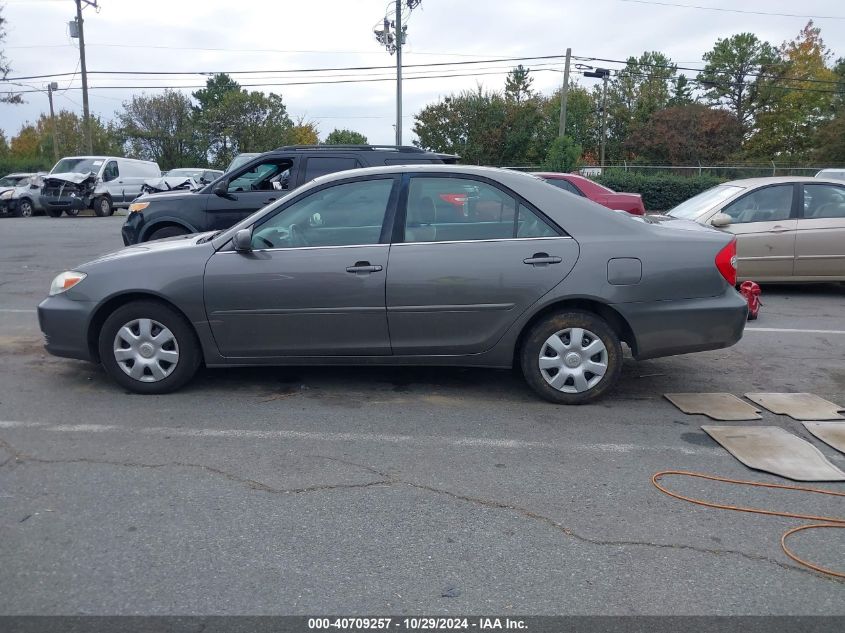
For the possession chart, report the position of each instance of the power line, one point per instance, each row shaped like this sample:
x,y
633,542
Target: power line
x,y
769,13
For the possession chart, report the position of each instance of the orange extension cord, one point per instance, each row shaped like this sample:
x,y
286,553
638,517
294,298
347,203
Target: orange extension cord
x,y
825,522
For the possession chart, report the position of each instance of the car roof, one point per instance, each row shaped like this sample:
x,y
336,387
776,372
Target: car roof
x,y
772,180
20,174
469,170
556,175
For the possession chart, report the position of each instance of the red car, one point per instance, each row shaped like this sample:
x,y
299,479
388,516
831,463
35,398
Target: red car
x,y
586,188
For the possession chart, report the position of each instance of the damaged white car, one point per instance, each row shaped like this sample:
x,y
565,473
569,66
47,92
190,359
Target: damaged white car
x,y
101,183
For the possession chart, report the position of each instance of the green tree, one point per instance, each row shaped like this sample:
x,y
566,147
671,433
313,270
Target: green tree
x,y
636,92
161,128
518,84
681,92
730,74
231,120
563,155
830,140
687,135
345,137
582,119
70,136
795,105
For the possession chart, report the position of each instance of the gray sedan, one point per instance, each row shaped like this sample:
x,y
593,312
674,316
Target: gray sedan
x,y
407,265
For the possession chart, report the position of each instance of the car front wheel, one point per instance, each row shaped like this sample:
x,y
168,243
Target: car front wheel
x,y
103,207
571,357
24,209
149,348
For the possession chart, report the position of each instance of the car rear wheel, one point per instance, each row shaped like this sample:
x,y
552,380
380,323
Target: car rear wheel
x,y
103,206
24,208
148,348
571,357
167,231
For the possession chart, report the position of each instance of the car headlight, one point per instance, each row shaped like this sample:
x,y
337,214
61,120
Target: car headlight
x,y
7,194
65,281
136,207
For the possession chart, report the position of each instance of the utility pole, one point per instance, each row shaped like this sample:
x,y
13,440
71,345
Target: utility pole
x,y
392,36
50,88
86,113
564,93
399,37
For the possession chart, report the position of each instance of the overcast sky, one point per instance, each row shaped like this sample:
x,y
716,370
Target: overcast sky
x,y
176,35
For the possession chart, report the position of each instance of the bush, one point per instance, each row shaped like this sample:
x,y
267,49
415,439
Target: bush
x,y
659,192
563,155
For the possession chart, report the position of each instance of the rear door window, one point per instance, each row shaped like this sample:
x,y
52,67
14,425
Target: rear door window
x,y
317,166
824,201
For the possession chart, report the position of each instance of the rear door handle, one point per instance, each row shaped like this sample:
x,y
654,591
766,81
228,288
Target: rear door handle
x,y
269,200
363,268
541,259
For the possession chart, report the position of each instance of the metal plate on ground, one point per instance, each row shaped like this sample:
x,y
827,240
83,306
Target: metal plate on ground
x,y
831,433
775,450
719,406
800,406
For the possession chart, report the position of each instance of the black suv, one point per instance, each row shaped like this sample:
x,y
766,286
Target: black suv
x,y
265,178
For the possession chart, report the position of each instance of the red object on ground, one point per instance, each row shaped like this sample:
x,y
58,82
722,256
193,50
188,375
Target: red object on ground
x,y
751,292
579,185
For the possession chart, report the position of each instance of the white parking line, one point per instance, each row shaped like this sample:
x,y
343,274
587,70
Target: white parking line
x,y
792,331
371,438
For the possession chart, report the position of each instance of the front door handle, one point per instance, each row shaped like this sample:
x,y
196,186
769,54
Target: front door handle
x,y
541,259
269,200
778,229
363,268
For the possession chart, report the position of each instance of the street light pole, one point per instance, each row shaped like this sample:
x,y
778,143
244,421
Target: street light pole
x,y
399,72
604,117
564,94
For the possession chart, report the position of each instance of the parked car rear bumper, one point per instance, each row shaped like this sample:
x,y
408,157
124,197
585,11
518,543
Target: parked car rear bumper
x,y
668,328
64,323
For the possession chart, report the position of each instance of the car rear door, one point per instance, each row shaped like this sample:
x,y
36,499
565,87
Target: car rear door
x,y
316,166
313,285
820,239
765,222
457,281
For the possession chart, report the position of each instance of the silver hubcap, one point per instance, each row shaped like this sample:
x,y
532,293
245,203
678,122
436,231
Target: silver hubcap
x,y
26,209
573,360
146,350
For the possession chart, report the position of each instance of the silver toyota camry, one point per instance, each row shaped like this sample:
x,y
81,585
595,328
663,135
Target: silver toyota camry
x,y
407,265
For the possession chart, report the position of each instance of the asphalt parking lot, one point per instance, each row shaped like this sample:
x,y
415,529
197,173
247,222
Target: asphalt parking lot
x,y
401,491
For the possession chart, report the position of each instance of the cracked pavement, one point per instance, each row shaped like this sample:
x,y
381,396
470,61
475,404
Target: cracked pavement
x,y
365,490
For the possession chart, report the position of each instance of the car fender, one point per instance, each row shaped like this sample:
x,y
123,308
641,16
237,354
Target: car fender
x,y
165,220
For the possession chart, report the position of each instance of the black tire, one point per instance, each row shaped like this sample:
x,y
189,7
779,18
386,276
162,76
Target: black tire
x,y
72,212
54,213
103,206
24,208
188,348
167,231
534,344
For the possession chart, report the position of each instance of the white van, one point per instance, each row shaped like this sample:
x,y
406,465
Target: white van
x,y
98,182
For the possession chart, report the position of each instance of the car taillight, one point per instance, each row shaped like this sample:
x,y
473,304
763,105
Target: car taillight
x,y
726,262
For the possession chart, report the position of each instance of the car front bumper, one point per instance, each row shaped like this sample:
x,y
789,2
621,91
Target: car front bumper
x,y
64,323
63,203
668,328
131,230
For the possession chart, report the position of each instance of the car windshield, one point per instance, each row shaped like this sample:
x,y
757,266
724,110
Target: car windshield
x,y
12,181
697,205
239,160
77,165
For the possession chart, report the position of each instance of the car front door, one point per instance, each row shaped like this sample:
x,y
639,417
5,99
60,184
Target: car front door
x,y
820,240
314,283
765,223
248,190
458,280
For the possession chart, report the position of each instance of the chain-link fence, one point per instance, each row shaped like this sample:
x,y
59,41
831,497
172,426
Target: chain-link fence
x,y
723,171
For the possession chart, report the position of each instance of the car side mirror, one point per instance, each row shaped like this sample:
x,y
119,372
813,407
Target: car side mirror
x,y
243,241
721,219
221,189
34,186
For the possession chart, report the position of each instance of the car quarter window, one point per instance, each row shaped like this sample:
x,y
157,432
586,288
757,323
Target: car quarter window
x,y
767,204
321,165
347,214
824,201
457,209
565,185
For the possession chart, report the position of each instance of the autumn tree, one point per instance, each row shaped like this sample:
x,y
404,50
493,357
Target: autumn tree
x,y
732,76
345,137
687,135
5,67
799,98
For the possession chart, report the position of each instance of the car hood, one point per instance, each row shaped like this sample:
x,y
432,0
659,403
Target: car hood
x,y
179,194
167,183
72,176
154,248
